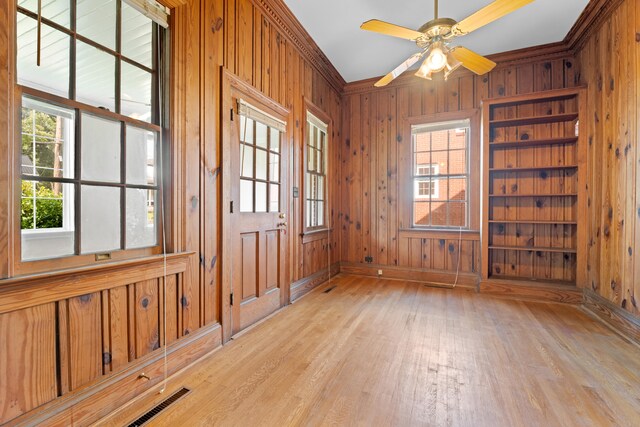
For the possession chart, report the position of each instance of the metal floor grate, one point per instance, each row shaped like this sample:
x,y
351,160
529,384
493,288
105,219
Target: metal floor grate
x,y
160,407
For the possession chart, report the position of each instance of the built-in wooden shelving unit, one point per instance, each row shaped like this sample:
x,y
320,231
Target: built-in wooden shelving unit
x,y
531,194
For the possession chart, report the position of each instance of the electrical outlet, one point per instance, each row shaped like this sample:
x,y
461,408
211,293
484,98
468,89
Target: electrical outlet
x,y
379,272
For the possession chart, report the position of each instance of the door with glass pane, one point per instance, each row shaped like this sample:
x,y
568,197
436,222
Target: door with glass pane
x,y
259,213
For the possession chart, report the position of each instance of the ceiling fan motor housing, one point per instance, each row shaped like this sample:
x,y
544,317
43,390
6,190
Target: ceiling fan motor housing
x,y
439,27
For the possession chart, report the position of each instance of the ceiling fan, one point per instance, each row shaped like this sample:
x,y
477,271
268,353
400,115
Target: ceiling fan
x,y
434,38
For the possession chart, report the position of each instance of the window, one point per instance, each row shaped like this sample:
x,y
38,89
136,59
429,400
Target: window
x,y
260,149
441,174
90,126
426,188
315,180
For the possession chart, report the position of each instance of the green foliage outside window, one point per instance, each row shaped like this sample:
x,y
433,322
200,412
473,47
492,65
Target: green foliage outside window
x,y
42,130
41,136
48,207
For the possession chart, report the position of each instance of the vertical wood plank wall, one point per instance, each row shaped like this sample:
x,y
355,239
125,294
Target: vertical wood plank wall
x,y
105,331
107,325
259,52
610,63
376,196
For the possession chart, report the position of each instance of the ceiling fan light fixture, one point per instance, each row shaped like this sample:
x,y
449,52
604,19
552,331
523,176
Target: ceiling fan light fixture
x,y
424,71
452,65
433,38
437,61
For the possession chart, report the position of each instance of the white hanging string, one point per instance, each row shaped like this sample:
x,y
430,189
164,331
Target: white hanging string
x,y
459,255
163,222
328,194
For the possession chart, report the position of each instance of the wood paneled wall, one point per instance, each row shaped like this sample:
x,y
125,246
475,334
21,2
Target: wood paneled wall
x,y
56,338
107,332
259,52
609,64
376,194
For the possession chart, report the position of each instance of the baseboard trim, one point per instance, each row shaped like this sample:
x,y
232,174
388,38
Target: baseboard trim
x,y
96,401
532,292
429,277
619,320
307,284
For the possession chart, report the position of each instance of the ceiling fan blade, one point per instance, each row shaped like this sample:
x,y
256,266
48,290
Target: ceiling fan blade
x,y
382,27
399,69
488,14
472,61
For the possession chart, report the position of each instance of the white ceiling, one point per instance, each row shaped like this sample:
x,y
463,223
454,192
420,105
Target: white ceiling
x,y
358,54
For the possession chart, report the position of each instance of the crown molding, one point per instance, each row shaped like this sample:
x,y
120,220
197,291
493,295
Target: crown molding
x,y
281,16
589,21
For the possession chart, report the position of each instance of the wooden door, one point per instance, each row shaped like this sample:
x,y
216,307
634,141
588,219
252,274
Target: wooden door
x,y
258,154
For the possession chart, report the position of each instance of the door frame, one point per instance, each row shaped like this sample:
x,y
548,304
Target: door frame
x,y
230,84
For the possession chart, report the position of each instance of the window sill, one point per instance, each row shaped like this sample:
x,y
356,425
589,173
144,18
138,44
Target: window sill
x,y
103,266
40,288
313,235
438,233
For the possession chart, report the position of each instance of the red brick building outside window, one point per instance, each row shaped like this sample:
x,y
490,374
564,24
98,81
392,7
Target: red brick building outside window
x,y
441,175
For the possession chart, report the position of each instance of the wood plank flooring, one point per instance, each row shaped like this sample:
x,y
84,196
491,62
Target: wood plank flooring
x,y
381,352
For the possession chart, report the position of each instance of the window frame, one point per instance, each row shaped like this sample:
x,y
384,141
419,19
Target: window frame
x,y
308,231
157,124
406,173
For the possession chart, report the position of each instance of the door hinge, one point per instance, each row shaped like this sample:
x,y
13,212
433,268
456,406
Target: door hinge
x,y
231,298
231,207
231,113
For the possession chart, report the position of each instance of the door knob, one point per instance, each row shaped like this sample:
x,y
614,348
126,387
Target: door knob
x,y
282,216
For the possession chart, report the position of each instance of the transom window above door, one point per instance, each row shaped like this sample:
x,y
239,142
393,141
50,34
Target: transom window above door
x,y
260,154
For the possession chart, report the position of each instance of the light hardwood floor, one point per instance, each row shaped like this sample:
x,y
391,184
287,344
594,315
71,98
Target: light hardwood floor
x,y
381,352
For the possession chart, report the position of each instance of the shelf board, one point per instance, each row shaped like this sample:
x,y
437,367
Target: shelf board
x,y
537,98
533,249
517,221
535,120
533,142
534,195
533,168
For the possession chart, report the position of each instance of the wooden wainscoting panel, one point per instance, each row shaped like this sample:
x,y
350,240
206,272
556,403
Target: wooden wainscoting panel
x,y
27,360
84,336
91,404
147,317
118,338
172,313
